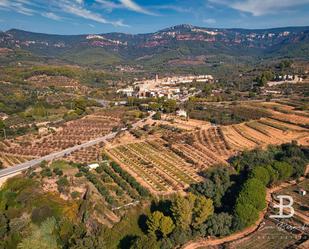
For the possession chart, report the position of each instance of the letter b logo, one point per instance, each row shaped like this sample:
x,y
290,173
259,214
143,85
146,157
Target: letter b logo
x,y
282,206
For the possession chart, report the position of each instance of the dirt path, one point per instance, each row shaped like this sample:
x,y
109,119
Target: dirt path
x,y
239,235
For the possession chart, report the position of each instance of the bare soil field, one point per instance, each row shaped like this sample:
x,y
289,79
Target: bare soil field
x,y
70,134
86,155
190,124
166,166
268,236
198,147
160,169
263,132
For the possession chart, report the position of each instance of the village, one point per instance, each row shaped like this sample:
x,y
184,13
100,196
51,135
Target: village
x,y
177,87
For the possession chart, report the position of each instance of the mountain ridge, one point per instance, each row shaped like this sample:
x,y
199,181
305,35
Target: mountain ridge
x,y
165,29
160,48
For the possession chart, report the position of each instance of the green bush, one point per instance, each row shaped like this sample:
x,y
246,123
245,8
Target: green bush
x,y
40,214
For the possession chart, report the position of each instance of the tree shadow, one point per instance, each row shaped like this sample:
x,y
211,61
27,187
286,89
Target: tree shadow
x,y
163,206
127,241
142,223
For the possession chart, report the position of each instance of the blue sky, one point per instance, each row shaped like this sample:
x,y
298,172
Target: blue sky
x,y
142,16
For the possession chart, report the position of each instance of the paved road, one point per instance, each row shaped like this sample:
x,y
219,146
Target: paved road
x,y
55,155
59,154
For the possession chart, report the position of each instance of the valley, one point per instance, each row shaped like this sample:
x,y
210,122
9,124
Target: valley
x,y
180,138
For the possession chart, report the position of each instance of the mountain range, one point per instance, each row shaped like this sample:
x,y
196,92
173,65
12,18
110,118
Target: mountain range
x,y
178,45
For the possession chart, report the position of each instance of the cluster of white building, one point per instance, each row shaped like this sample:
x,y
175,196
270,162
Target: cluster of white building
x,y
281,79
169,87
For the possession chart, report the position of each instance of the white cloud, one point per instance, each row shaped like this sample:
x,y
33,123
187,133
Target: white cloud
x,y
53,7
124,4
210,21
18,6
261,7
52,16
87,14
110,5
129,4
172,7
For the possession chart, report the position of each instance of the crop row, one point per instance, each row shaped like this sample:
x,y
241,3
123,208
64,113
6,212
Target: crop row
x,y
101,188
131,180
71,134
119,181
170,170
213,139
139,168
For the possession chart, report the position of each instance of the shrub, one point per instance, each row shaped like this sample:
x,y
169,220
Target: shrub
x,y
79,174
218,225
261,174
245,215
75,195
40,214
284,170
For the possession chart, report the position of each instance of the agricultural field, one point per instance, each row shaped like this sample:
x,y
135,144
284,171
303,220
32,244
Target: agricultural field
x,y
301,203
106,193
166,166
290,111
163,160
86,155
67,135
227,113
155,165
263,132
268,236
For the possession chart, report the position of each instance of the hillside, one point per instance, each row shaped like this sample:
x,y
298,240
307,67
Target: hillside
x,y
179,45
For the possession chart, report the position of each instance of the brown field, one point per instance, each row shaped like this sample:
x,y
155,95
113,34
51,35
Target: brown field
x,y
157,166
70,134
263,132
170,163
86,155
169,166
283,111
268,236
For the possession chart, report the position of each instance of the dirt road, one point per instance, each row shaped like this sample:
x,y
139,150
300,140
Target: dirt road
x,y
241,234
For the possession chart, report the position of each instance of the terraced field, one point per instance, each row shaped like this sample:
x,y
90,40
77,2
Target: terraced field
x,y
157,166
169,165
261,133
269,237
166,168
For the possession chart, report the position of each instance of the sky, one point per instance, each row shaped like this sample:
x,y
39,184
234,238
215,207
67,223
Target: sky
x,y
145,16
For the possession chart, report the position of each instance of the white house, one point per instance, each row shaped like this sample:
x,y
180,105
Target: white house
x,y
93,166
302,192
126,91
181,113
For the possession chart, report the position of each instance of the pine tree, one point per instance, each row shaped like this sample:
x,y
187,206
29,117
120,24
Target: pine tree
x,y
203,208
